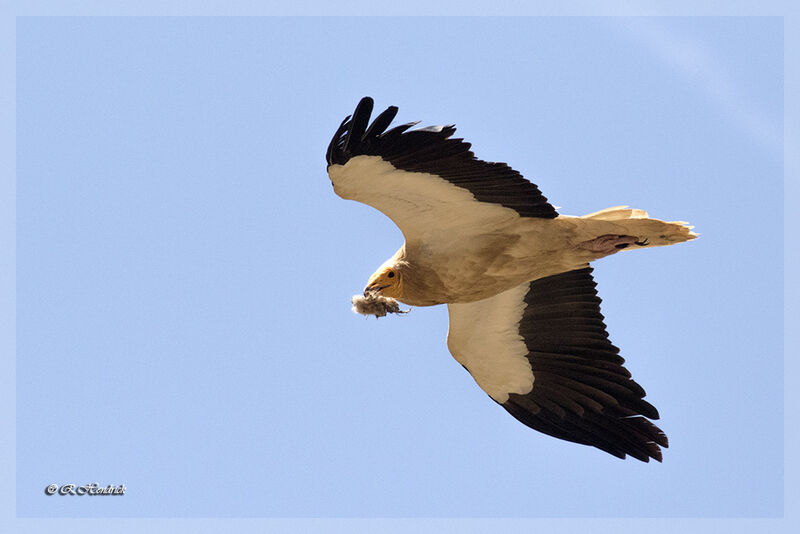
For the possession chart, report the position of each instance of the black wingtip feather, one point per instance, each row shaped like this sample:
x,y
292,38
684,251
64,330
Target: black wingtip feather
x,y
380,124
359,123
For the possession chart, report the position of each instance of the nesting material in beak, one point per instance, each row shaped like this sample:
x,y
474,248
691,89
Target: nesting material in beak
x,y
374,304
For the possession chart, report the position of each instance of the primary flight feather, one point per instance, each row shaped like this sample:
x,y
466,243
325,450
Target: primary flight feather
x,y
524,313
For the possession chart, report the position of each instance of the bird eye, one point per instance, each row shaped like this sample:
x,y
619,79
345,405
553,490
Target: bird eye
x,y
391,274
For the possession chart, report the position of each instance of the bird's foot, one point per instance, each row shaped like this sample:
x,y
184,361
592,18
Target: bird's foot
x,y
611,243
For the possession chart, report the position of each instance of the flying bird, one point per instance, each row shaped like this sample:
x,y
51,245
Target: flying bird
x,y
524,313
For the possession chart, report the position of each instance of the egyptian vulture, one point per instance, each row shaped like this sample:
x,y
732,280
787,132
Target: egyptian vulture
x,y
524,313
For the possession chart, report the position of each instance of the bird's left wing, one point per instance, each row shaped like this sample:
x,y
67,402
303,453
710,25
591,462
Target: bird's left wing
x,y
541,350
430,184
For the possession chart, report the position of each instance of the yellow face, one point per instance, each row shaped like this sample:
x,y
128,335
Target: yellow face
x,y
385,282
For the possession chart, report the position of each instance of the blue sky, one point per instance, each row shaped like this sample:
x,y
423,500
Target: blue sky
x,y
184,268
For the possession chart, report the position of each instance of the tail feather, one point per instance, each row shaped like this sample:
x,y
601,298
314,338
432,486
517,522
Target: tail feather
x,y
617,213
622,220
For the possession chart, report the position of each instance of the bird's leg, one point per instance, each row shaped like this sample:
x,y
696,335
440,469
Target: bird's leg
x,y
610,243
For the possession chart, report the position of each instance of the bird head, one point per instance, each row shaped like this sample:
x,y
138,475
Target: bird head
x,y
386,282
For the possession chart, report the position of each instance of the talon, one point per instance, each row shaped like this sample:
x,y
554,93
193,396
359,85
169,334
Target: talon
x,y
642,243
608,244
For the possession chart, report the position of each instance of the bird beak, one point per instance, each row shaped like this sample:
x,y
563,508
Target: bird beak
x,y
373,289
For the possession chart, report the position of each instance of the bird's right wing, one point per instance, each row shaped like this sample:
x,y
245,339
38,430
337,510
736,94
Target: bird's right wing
x,y
541,350
429,183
